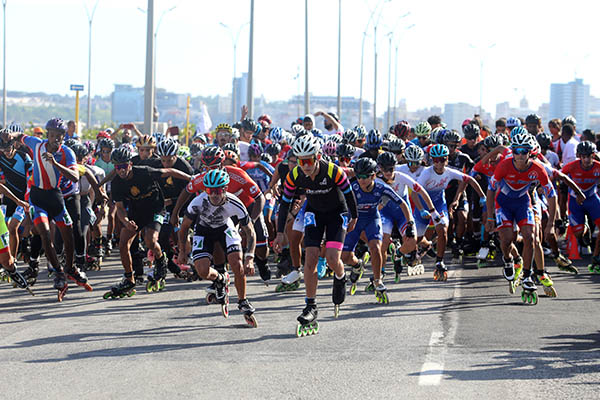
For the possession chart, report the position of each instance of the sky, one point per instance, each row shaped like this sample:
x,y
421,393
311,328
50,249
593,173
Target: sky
x,y
525,46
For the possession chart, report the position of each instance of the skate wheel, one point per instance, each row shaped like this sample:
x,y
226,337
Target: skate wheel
x,y
107,295
336,310
149,287
210,298
534,298
299,331
550,291
225,309
279,288
397,278
251,320
88,287
131,293
353,289
160,284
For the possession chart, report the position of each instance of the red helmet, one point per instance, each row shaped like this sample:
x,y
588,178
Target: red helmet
x,y
212,156
402,129
466,122
103,134
266,118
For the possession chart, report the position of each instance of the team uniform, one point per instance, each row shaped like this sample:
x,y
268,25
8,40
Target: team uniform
x,y
587,180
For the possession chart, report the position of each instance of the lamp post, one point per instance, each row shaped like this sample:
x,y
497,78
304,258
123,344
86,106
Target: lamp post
x,y
250,98
481,59
306,95
156,44
89,99
149,85
396,76
4,65
234,41
339,96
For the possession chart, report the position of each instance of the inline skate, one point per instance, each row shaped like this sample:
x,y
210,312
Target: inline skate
x,y
307,321
290,281
124,288
248,310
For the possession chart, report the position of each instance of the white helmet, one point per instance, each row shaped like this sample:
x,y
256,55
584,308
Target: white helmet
x,y
414,154
306,145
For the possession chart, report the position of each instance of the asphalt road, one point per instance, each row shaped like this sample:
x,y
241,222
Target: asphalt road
x,y
467,338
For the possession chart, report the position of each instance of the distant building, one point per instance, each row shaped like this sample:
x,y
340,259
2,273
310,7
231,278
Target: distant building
x,y
571,98
127,104
240,88
455,114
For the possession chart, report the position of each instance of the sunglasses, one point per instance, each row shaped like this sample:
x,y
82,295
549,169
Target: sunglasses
x,y
306,162
440,160
521,150
121,166
364,176
414,163
217,190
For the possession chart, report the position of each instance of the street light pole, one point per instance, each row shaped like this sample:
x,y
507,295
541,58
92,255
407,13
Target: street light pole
x,y
395,84
149,86
481,58
375,77
156,44
4,65
235,41
89,99
387,120
250,98
306,95
339,96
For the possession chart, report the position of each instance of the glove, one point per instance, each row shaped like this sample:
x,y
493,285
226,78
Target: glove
x,y
410,229
436,217
482,201
425,214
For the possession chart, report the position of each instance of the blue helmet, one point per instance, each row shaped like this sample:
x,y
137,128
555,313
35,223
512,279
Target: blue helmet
x,y
276,134
439,150
216,178
15,127
511,122
374,139
517,130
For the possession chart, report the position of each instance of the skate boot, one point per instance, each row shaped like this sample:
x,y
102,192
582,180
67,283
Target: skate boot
x,y
222,293
482,256
528,295
60,284
31,272
321,267
124,288
107,244
518,270
284,263
509,274
156,280
96,250
79,278
370,288
19,280
457,254
399,268
355,275
4,275
290,282
564,264
307,321
248,310
338,294
547,283
441,272
263,270
594,267
92,264
414,265
381,293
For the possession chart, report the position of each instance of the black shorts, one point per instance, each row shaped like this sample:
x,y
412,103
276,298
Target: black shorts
x,y
204,240
332,224
260,229
148,219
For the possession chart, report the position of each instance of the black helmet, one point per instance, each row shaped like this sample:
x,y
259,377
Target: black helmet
x,y
533,119
471,131
121,155
586,148
345,150
397,146
273,149
233,147
365,166
493,141
451,137
249,125
56,124
4,143
386,159
266,158
80,150
71,142
544,140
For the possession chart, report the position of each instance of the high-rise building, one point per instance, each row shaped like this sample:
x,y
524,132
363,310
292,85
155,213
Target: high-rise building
x,y
455,114
240,86
127,104
571,98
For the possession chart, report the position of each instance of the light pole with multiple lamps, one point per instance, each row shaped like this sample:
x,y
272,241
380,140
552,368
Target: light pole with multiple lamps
x,y
4,65
89,99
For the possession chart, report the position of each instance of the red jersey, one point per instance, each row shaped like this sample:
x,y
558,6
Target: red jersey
x,y
485,169
586,179
514,183
240,184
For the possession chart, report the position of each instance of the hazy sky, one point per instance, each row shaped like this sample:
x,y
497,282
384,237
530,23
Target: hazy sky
x,y
536,43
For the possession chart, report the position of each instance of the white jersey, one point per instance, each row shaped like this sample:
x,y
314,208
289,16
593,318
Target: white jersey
x,y
84,184
203,213
435,183
405,170
402,183
244,150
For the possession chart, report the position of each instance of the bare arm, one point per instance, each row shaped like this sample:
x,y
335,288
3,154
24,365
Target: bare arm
x,y
257,207
175,173
181,200
183,237
7,192
108,177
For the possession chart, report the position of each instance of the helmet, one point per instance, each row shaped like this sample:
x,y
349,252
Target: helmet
x,y
212,156
121,155
216,178
196,148
56,124
423,129
276,134
167,147
266,158
158,136
250,125
544,139
517,130
233,147
586,148
569,120
436,136
273,149
386,159
450,136
439,150
522,140
465,123
183,152
345,150
365,166
90,146
374,139
15,127
298,130
349,136
335,138
231,155
471,131
224,127
330,147
361,131
493,141
316,132
414,154
198,136
146,141
533,119
235,134
402,129
255,149
397,146
102,134
511,122
80,150
266,118
106,143
306,145
71,142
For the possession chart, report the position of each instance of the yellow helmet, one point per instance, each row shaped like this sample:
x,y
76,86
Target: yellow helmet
x,y
224,127
146,141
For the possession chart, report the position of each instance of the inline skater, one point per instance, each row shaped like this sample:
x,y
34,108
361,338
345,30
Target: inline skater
x,y
215,214
329,198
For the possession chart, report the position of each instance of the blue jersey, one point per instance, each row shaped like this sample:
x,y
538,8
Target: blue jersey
x,y
260,177
367,202
15,171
